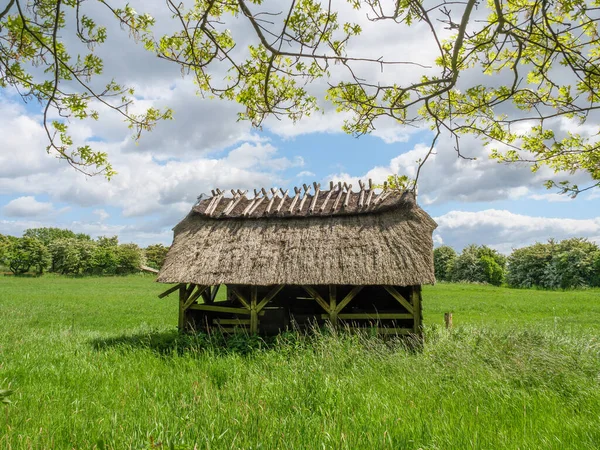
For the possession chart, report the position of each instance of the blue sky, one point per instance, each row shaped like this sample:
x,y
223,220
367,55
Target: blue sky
x,y
205,146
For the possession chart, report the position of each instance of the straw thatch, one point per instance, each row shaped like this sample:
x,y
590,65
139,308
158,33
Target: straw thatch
x,y
387,242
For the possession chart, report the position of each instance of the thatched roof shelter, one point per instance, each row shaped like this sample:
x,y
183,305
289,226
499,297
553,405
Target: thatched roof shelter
x,y
335,237
303,241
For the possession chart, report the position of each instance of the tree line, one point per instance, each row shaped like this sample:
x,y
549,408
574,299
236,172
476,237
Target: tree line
x,y
571,263
62,251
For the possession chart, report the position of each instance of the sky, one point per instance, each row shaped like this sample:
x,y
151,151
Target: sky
x,y
205,146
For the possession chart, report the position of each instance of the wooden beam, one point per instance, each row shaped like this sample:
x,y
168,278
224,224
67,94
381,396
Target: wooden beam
x,y
333,315
371,316
283,197
306,189
240,297
216,308
295,199
192,298
253,311
189,290
415,294
338,198
348,195
219,321
269,297
394,293
355,290
314,294
327,197
170,290
181,321
213,293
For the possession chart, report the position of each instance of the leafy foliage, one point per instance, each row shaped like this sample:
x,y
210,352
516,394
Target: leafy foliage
x,y
26,253
527,265
72,256
129,258
479,264
102,257
443,262
48,235
571,263
541,62
35,61
155,255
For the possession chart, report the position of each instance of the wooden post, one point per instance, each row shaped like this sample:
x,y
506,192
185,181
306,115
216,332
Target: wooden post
x,y
416,303
448,320
182,299
333,315
253,310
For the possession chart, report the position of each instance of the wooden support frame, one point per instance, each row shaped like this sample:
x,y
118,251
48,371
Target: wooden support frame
x,y
240,297
371,316
314,294
348,298
415,294
333,315
171,290
216,308
253,310
394,293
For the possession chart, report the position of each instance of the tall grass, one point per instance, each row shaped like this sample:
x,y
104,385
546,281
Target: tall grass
x,y
97,363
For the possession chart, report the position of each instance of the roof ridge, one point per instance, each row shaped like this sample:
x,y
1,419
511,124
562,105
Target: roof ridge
x,y
340,199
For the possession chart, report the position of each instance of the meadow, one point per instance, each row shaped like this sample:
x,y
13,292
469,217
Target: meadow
x,y
98,363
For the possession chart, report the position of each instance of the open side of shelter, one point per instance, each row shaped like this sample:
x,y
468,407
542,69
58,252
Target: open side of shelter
x,y
354,259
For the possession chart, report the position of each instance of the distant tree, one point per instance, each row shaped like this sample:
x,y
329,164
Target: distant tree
x,y
26,253
72,256
479,264
443,261
6,244
48,235
527,265
105,241
130,258
155,255
573,265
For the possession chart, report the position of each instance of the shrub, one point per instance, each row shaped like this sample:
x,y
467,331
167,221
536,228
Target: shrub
x,y
493,272
527,265
443,262
155,255
479,264
26,253
130,258
72,256
49,235
6,244
572,265
105,260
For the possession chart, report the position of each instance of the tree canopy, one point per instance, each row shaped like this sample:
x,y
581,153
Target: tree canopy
x,y
521,75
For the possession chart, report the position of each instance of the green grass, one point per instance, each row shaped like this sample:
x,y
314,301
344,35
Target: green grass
x,y
97,363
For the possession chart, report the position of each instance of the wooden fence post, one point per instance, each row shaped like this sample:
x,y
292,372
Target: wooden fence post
x,y
448,320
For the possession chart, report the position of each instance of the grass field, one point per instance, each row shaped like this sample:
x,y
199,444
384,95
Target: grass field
x,y
97,363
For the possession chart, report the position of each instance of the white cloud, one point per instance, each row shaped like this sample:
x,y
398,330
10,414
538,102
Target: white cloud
x,y
305,174
27,207
553,197
504,230
102,214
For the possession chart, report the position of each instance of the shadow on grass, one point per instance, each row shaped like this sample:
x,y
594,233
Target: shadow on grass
x,y
172,342
175,343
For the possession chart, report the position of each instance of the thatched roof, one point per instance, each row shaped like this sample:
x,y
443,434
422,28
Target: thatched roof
x,y
332,237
